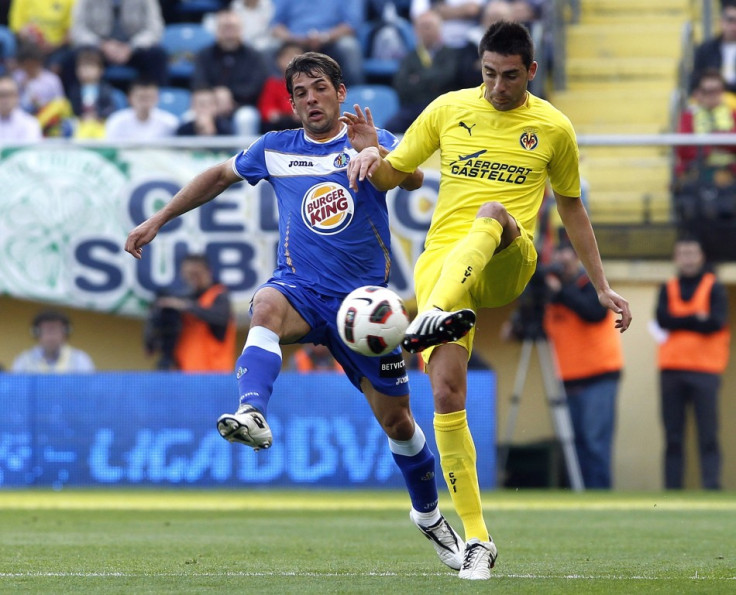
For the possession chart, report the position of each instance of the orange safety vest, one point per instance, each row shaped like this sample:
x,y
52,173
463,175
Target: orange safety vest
x,y
690,350
304,363
583,349
197,350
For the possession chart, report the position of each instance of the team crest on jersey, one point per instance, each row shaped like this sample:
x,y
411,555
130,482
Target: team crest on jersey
x,y
529,139
341,161
327,208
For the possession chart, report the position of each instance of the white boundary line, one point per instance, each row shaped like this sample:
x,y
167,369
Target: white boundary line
x,y
346,575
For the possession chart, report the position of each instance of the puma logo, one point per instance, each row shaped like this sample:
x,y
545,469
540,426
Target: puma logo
x,y
468,128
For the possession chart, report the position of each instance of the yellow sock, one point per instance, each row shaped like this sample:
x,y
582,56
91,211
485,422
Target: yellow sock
x,y
465,262
457,458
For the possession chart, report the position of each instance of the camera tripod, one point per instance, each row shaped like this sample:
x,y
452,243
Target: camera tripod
x,y
556,401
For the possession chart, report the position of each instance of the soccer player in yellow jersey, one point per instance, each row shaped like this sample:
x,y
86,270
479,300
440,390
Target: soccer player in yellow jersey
x,y
499,145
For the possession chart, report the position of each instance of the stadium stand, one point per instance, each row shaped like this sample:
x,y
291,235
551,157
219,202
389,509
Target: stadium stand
x,y
381,99
8,44
384,44
119,98
622,68
174,100
192,11
120,75
182,41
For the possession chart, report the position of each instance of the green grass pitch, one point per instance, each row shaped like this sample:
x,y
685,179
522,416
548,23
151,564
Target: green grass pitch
x,y
258,541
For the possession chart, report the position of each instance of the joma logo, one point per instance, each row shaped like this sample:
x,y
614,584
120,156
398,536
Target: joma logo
x,y
300,163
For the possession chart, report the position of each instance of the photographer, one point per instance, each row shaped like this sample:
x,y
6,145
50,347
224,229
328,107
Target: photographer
x,y
590,359
194,333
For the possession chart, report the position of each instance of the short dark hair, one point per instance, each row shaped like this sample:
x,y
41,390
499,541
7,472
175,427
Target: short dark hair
x,y
508,39
50,316
28,50
313,64
198,258
90,55
688,237
709,73
143,82
289,45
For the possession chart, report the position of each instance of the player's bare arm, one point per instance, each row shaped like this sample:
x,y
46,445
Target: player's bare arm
x,y
369,164
580,231
203,188
362,134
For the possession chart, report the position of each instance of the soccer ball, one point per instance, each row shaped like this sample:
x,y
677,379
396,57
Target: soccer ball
x,y
372,320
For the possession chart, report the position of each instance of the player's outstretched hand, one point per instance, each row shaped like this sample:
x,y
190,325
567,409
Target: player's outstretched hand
x,y
139,237
363,165
613,301
361,130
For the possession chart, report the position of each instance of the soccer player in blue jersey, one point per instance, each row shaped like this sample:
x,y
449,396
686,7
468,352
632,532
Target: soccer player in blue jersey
x,y
332,240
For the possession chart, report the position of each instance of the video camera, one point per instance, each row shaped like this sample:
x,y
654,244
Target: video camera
x,y
161,333
527,321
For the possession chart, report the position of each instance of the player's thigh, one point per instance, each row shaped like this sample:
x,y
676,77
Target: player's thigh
x,y
274,310
507,274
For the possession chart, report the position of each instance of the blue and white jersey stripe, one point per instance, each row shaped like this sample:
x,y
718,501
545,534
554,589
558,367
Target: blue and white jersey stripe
x,y
330,238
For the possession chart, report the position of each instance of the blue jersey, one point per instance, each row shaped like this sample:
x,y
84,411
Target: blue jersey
x,y
330,238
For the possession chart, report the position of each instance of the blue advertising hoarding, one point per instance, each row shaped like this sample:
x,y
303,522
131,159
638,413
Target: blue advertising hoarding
x,y
158,429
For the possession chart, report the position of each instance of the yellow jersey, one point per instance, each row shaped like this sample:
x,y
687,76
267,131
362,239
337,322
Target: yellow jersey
x,y
52,19
487,155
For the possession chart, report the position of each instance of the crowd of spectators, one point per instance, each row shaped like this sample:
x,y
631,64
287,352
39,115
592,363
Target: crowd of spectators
x,y
79,62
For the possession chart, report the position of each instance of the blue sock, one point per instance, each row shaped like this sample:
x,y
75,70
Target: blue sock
x,y
257,367
416,463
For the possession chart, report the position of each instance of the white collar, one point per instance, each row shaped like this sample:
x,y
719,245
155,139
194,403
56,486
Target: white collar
x,y
343,132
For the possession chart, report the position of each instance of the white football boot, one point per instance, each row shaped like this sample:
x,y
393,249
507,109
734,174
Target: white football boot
x,y
479,558
246,426
445,540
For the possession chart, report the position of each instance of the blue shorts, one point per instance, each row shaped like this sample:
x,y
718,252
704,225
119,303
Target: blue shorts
x,y
387,374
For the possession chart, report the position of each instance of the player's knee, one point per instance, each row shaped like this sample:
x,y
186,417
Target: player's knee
x,y
398,425
268,314
494,210
448,399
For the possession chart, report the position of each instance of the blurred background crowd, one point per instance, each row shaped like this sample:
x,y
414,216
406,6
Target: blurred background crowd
x,y
119,69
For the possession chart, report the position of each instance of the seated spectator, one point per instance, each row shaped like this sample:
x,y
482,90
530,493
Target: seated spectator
x,y
52,353
314,358
143,120
90,96
128,32
326,26
428,71
204,120
523,12
45,24
376,10
708,113
458,17
235,71
15,123
718,52
275,102
38,86
468,71
255,19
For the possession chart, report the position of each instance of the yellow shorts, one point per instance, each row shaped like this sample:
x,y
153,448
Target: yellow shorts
x,y
502,281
